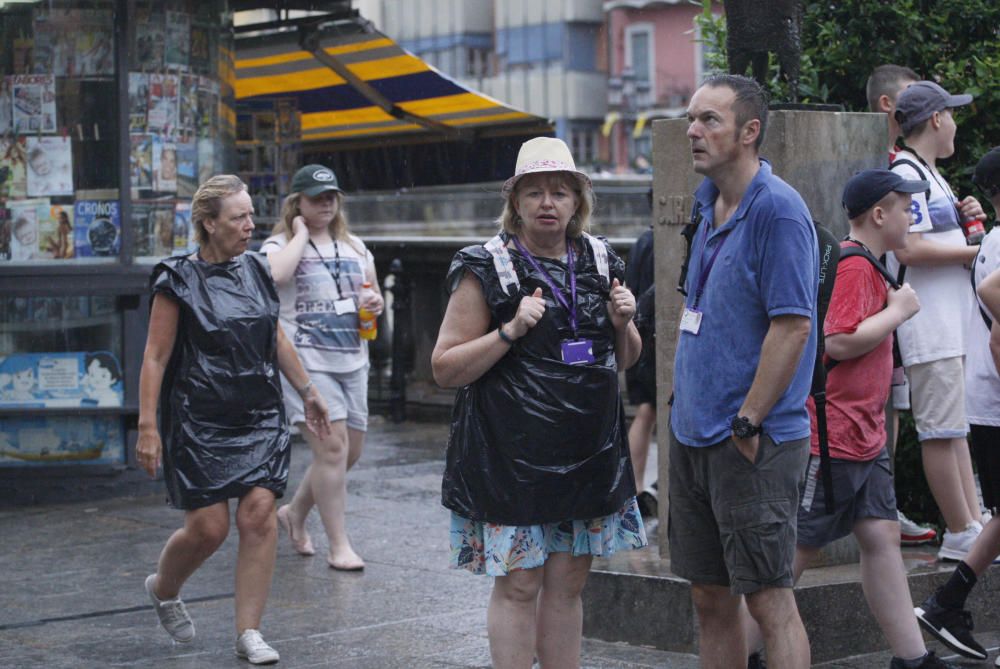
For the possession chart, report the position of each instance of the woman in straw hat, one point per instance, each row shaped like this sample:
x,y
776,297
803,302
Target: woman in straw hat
x,y
538,476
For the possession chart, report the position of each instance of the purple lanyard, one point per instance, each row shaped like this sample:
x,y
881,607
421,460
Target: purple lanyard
x,y
706,268
570,305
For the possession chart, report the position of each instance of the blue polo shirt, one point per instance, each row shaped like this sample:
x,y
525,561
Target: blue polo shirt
x,y
767,267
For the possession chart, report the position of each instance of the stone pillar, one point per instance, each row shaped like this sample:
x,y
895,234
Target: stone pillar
x,y
815,152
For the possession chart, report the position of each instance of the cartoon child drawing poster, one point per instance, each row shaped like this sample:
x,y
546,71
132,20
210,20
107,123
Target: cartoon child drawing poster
x,y
50,166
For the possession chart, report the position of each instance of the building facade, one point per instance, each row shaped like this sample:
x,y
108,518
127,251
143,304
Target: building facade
x,y
656,62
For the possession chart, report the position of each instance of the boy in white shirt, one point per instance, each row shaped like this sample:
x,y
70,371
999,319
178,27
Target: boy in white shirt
x,y
933,342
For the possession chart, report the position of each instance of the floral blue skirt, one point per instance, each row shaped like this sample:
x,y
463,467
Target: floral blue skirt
x,y
495,550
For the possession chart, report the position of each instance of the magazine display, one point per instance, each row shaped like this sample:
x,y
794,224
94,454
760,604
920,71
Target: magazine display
x,y
96,228
50,166
34,103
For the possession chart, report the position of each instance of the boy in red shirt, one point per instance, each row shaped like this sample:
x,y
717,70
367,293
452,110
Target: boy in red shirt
x,y
858,328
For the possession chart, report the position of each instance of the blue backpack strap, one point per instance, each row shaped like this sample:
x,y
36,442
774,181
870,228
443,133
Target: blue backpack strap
x,y
503,265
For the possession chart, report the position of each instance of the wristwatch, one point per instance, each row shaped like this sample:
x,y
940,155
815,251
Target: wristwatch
x,y
744,429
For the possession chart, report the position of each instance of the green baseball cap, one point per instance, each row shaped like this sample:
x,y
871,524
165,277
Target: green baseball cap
x,y
312,180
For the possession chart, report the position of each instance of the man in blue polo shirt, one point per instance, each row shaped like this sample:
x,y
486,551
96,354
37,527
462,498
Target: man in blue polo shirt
x,y
739,426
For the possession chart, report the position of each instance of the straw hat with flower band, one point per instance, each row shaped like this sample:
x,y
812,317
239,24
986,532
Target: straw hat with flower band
x,y
544,154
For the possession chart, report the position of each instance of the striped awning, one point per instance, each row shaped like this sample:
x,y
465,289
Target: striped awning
x,y
358,86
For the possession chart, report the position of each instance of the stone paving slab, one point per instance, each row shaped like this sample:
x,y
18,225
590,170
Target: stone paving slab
x,y
71,594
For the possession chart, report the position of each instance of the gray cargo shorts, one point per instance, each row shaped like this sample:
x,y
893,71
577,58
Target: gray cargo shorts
x,y
732,521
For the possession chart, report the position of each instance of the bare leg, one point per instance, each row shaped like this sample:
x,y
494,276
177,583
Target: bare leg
x,y
986,549
204,531
785,638
964,459
560,611
941,468
355,444
510,619
258,530
721,643
883,579
804,555
639,435
328,487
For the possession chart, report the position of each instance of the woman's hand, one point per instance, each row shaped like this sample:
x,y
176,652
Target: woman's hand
x,y
317,417
148,450
374,303
529,311
299,226
621,306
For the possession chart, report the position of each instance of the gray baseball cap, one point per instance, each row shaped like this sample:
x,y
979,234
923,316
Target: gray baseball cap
x,y
918,102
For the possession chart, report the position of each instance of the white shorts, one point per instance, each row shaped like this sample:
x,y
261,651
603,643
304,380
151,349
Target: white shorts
x,y
937,393
346,396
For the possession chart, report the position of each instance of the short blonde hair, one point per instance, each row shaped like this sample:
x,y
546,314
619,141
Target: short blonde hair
x,y
290,209
510,222
207,201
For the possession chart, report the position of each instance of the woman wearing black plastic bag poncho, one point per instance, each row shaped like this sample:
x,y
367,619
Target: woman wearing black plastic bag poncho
x,y
538,476
211,368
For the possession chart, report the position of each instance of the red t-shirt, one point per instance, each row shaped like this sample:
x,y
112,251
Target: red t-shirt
x,y
856,389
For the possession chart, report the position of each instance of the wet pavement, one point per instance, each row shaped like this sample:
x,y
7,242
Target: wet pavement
x,y
71,587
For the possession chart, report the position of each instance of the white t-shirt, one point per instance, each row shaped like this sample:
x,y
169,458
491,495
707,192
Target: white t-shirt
x,y
982,382
937,331
325,340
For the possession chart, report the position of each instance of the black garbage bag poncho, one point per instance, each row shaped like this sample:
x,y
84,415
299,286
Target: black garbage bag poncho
x,y
222,420
536,440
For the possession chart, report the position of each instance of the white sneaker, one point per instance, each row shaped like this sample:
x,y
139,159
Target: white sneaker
x,y
172,613
955,546
912,534
252,647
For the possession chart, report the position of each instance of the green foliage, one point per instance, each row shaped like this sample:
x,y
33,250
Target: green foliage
x,y
953,43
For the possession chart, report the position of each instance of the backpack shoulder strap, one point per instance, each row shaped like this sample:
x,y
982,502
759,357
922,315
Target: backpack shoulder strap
x,y
829,256
688,233
975,294
851,251
503,265
927,196
600,255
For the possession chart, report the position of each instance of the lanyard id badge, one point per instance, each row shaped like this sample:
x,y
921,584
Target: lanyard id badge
x,y
691,321
578,352
344,306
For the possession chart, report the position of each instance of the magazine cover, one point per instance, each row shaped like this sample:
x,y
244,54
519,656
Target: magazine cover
x,y
34,107
187,111
163,91
50,166
138,101
96,228
141,161
178,40
6,106
55,232
206,159
184,237
153,223
200,55
208,105
164,165
187,166
13,167
73,42
149,39
24,219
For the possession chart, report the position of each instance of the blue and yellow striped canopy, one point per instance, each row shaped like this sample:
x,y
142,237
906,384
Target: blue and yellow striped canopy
x,y
334,109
